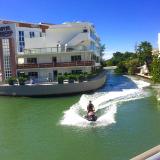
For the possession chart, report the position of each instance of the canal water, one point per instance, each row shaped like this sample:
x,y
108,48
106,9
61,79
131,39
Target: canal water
x,y
54,128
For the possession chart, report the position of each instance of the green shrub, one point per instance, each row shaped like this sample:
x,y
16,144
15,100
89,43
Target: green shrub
x,y
12,80
60,79
72,78
132,65
85,73
121,68
66,76
81,78
21,80
155,72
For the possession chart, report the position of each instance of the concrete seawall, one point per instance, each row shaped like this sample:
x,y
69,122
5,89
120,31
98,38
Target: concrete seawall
x,y
152,154
53,89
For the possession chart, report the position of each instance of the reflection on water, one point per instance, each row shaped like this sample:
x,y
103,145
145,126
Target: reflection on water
x,y
117,89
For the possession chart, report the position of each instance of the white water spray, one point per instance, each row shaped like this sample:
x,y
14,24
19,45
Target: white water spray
x,y
105,103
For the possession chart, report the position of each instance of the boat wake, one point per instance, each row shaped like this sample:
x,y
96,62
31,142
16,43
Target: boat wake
x,y
106,102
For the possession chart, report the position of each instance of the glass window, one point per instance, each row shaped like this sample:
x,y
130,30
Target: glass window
x,y
21,33
21,49
6,58
32,60
31,34
33,74
76,58
21,41
76,71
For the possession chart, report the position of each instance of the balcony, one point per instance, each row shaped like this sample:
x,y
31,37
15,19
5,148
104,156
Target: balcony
x,y
59,64
51,50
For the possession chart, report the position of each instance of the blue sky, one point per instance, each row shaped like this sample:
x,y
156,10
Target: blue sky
x,y
120,23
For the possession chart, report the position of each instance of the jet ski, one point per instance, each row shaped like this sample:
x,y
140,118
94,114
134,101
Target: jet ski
x,y
91,116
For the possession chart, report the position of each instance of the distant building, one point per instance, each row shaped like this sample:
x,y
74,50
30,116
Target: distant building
x,y
155,51
42,51
158,43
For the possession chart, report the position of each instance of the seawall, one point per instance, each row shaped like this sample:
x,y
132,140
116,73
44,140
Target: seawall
x,y
53,89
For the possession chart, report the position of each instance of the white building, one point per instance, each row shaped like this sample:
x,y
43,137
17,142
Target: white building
x,y
44,50
159,43
156,51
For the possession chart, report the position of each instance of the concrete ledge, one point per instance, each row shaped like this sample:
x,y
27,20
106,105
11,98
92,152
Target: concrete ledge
x,y
152,154
144,76
53,89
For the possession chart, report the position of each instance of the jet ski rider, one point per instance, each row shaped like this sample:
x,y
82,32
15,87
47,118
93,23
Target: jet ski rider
x,y
90,107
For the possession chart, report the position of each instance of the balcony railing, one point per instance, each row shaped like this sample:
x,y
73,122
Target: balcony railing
x,y
56,50
58,64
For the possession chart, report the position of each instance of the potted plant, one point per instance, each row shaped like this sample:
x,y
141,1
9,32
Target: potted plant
x,y
21,80
71,78
12,80
81,78
60,79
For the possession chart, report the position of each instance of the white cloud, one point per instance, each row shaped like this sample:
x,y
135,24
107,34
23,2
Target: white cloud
x,y
108,54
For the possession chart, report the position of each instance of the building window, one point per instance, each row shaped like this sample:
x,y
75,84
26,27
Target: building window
x,y
33,74
21,41
6,58
54,59
40,34
21,33
76,58
32,35
32,60
76,71
92,34
92,46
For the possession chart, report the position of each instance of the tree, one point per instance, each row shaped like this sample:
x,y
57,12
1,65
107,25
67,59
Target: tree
x,y
121,68
109,62
132,65
155,72
117,58
144,51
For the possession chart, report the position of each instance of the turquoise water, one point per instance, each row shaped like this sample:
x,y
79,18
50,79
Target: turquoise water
x,y
45,128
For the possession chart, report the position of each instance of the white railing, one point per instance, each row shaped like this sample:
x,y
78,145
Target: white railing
x,y
55,50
